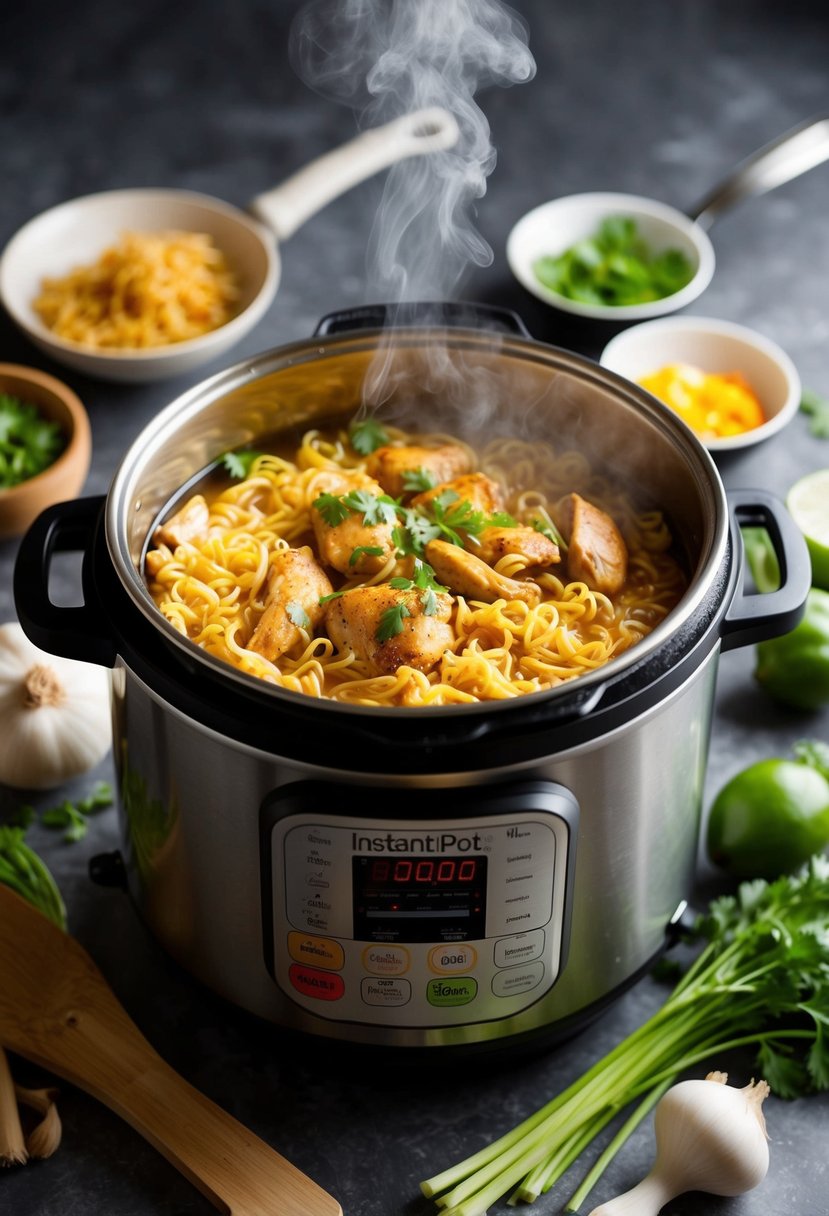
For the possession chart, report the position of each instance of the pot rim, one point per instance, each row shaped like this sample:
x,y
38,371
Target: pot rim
x,y
121,500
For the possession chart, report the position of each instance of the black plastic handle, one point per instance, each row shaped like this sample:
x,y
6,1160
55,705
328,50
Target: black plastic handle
x,y
756,616
452,314
71,632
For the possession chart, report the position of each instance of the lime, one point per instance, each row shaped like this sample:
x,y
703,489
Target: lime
x,y
769,819
808,503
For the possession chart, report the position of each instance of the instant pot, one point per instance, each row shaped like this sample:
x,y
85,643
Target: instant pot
x,y
434,877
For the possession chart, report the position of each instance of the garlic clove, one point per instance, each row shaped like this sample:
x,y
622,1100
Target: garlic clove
x,y
44,1139
12,1145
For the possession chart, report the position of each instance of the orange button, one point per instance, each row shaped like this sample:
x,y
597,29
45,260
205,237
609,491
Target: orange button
x,y
453,958
320,951
321,985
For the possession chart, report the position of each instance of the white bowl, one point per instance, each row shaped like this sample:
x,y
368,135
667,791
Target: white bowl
x,y
77,232
717,347
553,227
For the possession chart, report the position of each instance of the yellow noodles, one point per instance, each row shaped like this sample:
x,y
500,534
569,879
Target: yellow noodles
x,y
213,590
150,290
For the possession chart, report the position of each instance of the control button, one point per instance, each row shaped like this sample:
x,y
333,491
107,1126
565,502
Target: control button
x,y
321,985
386,960
321,951
452,960
517,979
443,993
522,948
385,992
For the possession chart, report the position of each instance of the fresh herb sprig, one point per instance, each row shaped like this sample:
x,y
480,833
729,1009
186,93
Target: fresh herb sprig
x,y
391,621
817,408
29,443
26,873
419,480
761,980
445,517
425,582
71,818
239,464
367,436
374,508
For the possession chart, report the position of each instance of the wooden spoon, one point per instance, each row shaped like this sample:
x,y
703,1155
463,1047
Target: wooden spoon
x,y
57,1010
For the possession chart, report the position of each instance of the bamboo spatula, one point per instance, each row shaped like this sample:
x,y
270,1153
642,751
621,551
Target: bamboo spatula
x,y
57,1010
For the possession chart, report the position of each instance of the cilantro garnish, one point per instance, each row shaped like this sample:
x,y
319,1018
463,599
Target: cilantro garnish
x,y
29,443
425,582
818,410
71,818
297,615
547,528
375,509
334,595
367,436
365,550
419,480
391,622
238,464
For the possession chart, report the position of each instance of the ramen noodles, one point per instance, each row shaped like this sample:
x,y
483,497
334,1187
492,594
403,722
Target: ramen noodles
x,y
149,290
419,573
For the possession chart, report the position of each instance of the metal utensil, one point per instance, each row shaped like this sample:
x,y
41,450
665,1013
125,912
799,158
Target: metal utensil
x,y
57,1010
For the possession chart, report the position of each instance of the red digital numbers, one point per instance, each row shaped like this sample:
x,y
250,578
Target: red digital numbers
x,y
405,870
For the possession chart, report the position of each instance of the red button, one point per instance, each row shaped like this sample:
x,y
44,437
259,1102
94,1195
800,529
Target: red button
x,y
319,984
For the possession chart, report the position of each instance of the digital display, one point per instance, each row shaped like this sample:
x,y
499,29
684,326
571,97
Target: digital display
x,y
418,899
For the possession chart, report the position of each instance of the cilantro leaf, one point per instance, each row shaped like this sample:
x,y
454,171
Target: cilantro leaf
x,y
375,508
365,551
29,442
333,595
419,480
239,464
332,509
547,528
430,603
367,436
71,819
818,410
391,622
297,615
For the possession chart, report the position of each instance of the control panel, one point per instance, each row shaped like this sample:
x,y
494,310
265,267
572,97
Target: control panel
x,y
373,915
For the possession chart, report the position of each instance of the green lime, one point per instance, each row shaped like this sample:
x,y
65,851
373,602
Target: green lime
x,y
808,503
794,668
769,819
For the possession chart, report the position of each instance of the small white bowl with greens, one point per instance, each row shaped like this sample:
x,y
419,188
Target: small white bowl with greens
x,y
611,257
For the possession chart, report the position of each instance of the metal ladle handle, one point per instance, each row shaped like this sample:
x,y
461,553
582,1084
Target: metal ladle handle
x,y
288,206
799,150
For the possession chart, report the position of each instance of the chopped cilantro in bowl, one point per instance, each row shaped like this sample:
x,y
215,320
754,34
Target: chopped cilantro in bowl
x,y
29,442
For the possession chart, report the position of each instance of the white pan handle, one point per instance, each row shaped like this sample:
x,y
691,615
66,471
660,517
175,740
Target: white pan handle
x,y
288,206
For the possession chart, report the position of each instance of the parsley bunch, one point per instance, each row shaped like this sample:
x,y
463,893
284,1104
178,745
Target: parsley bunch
x,y
29,443
761,980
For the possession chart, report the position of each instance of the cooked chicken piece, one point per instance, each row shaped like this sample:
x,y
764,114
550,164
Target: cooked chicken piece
x,y
596,554
155,559
337,542
476,488
354,618
473,578
295,584
190,523
495,543
389,464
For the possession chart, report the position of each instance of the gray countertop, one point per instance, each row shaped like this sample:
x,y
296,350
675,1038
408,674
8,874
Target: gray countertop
x,y
654,99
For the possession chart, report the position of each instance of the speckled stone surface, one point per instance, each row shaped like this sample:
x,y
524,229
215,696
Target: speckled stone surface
x,y
652,99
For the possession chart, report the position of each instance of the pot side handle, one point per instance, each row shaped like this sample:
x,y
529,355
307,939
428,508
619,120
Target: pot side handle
x,y
70,632
755,616
448,314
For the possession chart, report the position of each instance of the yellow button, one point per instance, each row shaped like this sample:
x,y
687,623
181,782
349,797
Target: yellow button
x,y
320,951
453,958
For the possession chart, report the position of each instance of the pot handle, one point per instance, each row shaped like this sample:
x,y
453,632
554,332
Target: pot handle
x,y
70,632
288,206
450,314
757,616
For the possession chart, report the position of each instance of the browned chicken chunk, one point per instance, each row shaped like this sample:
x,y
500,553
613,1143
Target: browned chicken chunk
x,y
476,488
535,549
295,584
389,464
353,620
348,546
189,523
597,554
469,576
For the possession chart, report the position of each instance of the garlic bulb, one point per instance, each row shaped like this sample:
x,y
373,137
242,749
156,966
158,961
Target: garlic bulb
x,y
710,1137
54,714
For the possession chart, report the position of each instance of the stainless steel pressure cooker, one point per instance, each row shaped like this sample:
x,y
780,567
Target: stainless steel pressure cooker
x,y
446,877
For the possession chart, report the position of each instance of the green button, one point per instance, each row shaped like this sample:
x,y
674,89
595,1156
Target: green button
x,y
443,993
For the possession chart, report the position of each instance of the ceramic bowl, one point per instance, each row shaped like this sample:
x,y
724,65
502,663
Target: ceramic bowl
x,y
21,504
713,346
553,227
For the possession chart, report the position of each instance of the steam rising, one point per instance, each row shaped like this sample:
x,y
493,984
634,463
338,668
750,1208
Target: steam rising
x,y
390,57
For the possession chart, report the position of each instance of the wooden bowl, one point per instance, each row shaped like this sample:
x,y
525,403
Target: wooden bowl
x,y
21,504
